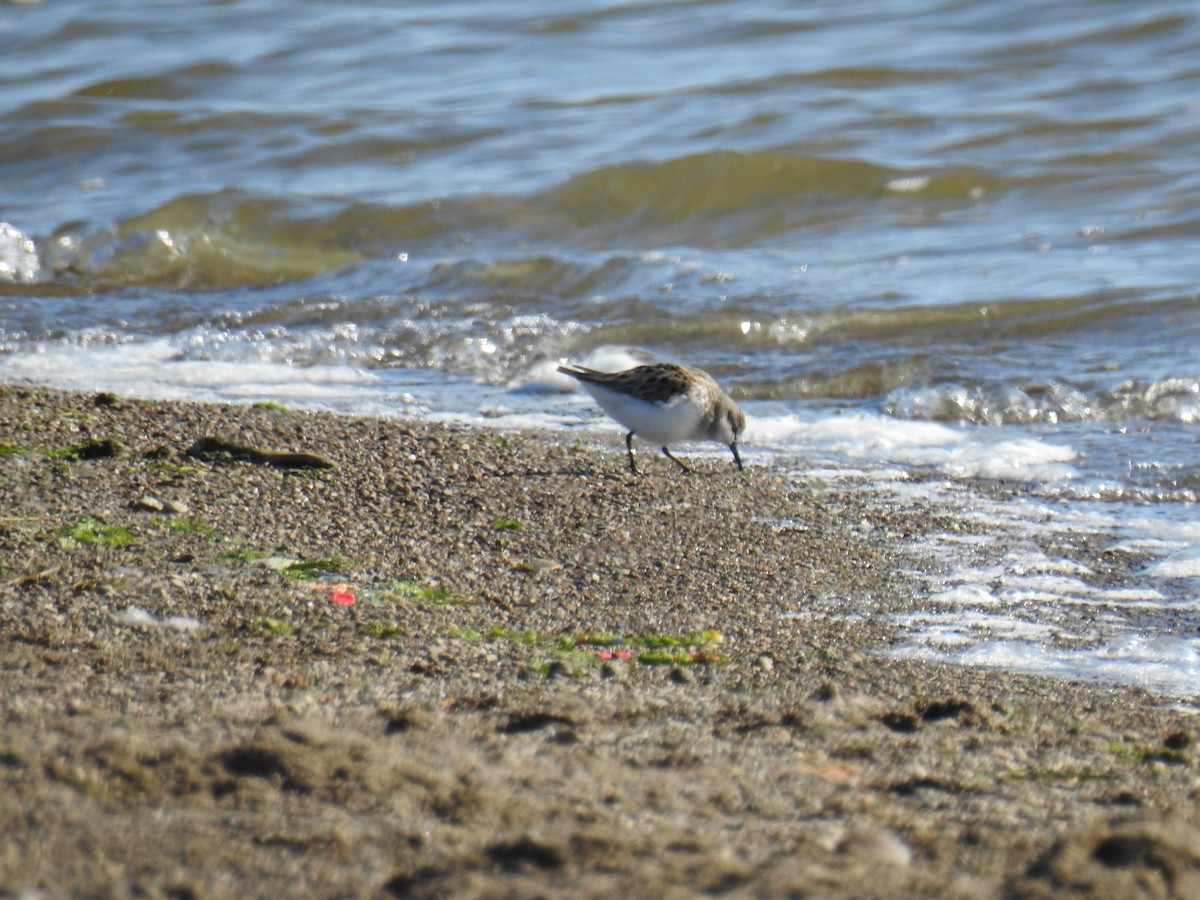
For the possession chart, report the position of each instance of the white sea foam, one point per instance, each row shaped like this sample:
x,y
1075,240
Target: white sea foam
x,y
1185,564
157,370
964,627
1165,664
958,452
1002,598
544,376
18,256
964,595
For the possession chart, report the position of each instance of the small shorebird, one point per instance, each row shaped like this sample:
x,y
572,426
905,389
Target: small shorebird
x,y
665,403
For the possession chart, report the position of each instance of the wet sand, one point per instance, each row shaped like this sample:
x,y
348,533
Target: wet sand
x,y
463,663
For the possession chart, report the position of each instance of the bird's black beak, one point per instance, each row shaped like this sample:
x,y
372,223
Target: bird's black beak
x,y
737,458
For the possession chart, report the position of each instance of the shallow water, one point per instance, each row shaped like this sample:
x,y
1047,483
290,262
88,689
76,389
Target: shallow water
x,y
954,239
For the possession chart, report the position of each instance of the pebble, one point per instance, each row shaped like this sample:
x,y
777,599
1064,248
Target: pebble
x,y
150,503
680,675
880,845
827,692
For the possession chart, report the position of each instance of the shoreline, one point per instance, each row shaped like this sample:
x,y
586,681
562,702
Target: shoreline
x,y
476,664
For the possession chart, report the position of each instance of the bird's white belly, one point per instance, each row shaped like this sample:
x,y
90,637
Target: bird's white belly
x,y
659,423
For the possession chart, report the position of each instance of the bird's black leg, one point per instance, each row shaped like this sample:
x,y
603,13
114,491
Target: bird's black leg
x,y
678,462
629,447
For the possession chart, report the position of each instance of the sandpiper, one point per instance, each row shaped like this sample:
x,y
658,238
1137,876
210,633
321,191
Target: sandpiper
x,y
665,403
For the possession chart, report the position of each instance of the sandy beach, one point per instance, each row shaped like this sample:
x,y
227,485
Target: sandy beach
x,y
246,651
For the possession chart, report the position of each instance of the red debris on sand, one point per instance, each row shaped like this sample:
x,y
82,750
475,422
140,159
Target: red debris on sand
x,y
614,654
341,594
